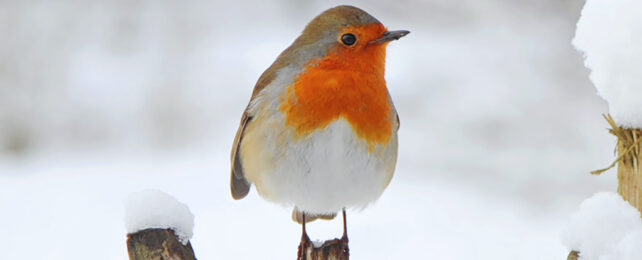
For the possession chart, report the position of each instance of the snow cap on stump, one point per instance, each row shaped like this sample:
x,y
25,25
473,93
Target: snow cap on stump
x,y
156,209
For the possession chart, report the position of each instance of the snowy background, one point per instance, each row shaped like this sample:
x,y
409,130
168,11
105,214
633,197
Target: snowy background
x,y
500,126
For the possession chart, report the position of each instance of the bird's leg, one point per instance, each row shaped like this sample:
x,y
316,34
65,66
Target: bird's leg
x,y
344,238
304,236
343,242
305,240
330,249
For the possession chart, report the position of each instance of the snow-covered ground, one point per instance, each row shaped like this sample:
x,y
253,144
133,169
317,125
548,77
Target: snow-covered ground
x,y
500,126
72,207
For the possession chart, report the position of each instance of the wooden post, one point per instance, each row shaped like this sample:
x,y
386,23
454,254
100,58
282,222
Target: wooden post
x,y
335,249
158,244
629,173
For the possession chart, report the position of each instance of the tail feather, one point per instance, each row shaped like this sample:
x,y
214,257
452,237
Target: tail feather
x,y
239,186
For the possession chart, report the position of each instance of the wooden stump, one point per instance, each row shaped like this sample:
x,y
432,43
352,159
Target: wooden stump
x,y
158,244
335,249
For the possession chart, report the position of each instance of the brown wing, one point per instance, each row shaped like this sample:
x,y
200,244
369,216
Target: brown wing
x,y
238,184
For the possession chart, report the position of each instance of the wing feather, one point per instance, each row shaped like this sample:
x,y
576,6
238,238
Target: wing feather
x,y
239,185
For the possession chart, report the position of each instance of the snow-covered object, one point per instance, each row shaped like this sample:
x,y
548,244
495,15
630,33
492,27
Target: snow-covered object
x,y
605,228
156,209
609,34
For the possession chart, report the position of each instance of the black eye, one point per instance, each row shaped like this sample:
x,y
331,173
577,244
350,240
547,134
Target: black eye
x,y
348,39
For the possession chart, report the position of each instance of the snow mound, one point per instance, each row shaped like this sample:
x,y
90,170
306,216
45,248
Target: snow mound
x,y
609,34
156,209
605,228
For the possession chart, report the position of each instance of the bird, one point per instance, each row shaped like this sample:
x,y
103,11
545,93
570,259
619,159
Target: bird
x,y
320,131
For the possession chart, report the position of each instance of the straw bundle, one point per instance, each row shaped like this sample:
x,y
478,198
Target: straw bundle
x,y
629,153
573,255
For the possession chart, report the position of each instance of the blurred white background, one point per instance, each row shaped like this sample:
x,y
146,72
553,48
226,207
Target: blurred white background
x,y
500,125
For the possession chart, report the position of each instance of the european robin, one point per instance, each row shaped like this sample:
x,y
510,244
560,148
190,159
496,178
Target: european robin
x,y
320,130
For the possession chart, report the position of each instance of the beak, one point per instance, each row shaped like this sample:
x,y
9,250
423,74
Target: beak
x,y
389,36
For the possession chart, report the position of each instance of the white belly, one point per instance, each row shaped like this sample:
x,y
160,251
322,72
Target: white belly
x,y
322,173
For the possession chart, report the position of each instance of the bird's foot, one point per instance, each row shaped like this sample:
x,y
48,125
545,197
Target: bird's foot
x,y
330,249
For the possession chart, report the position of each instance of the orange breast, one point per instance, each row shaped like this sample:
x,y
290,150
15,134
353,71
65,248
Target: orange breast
x,y
345,84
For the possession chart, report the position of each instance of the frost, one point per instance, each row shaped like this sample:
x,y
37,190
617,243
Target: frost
x,y
156,209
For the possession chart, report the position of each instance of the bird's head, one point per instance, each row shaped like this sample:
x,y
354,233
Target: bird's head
x,y
343,37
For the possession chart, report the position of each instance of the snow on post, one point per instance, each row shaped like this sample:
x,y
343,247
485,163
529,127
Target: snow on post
x,y
156,209
605,228
158,226
609,34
